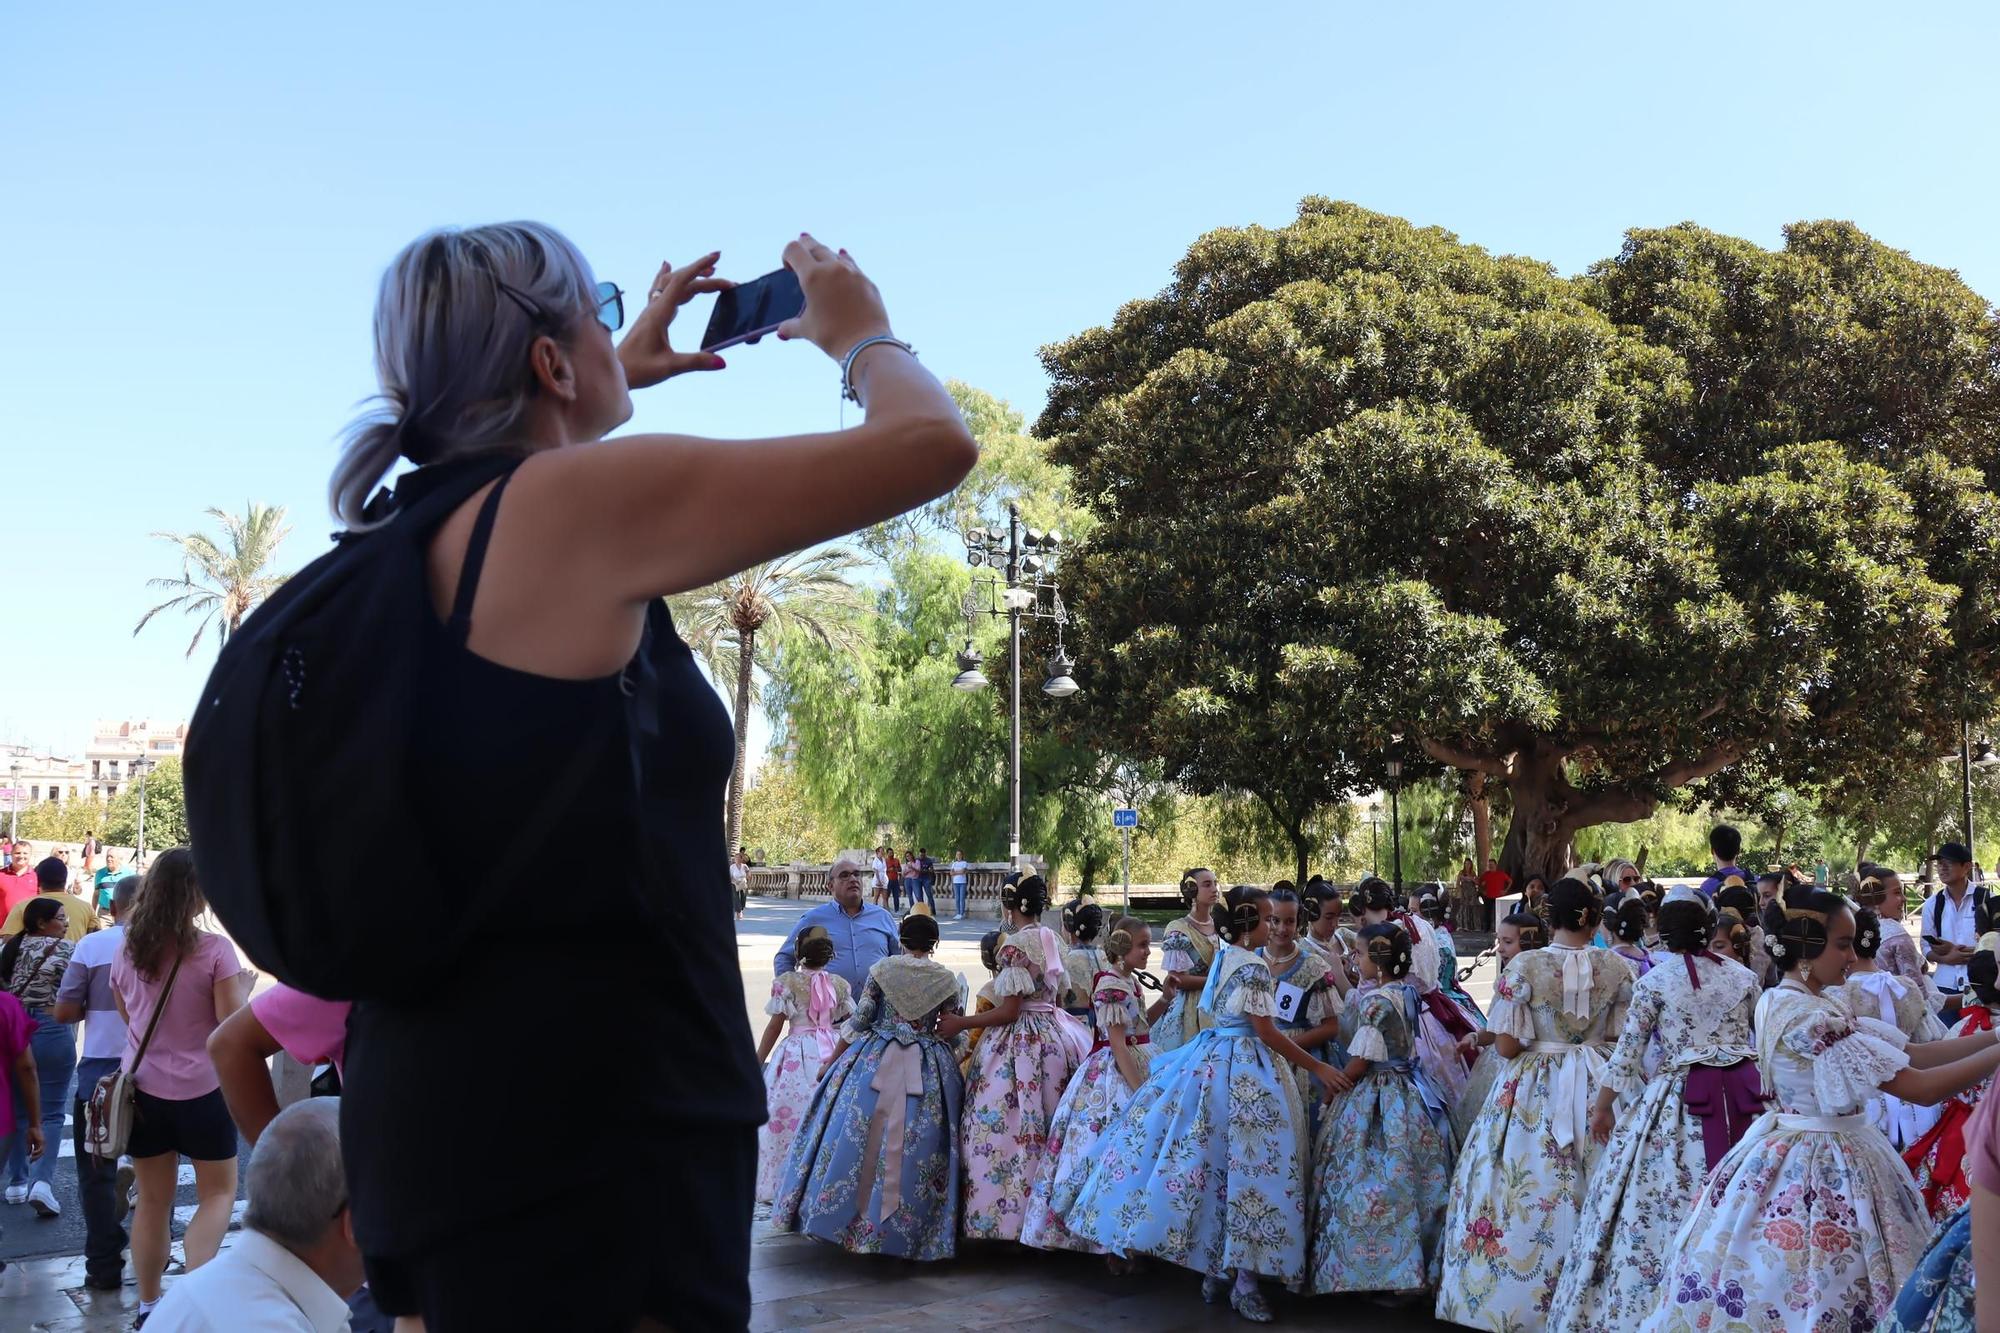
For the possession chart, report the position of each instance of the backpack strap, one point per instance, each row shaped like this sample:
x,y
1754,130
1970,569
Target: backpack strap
x,y
475,561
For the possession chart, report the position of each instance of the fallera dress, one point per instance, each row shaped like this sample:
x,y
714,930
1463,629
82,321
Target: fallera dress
x,y
1207,1166
1381,1169
1522,1178
1309,973
1811,1222
1905,1006
1081,963
1017,1079
1937,1160
813,1002
1675,1126
1448,977
1094,1100
874,1167
1185,947
1938,1296
1441,1021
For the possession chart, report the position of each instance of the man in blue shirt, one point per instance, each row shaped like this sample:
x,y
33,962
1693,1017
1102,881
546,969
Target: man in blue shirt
x,y
863,934
1725,844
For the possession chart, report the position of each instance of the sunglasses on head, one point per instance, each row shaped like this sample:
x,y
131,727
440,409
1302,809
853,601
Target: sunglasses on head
x,y
609,309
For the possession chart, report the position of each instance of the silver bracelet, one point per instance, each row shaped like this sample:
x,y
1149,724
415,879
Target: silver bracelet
x,y
847,366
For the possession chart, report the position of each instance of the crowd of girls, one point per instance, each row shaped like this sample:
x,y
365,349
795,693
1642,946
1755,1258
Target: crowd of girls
x,y
1676,1114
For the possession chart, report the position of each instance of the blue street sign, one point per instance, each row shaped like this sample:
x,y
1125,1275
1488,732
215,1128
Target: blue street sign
x,y
1124,818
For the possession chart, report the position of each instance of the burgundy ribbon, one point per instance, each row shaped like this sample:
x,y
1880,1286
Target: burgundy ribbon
x,y
1726,1099
1447,1014
1694,976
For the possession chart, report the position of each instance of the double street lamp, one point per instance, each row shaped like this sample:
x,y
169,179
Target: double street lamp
x,y
1395,769
1985,760
1020,569
141,764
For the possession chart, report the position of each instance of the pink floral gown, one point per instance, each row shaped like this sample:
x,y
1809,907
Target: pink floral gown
x,y
1016,1081
812,1002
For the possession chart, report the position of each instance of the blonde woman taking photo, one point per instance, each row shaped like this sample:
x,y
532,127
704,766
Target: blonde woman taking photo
x,y
549,649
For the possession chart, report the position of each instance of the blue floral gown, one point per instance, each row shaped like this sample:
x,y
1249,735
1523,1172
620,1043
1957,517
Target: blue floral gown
x,y
874,1166
1938,1296
1310,973
1382,1162
1207,1167
1183,948
1094,1101
1448,977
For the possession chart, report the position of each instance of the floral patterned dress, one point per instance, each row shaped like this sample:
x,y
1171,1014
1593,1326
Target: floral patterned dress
x,y
1448,977
1017,1079
1307,972
1081,964
1441,1021
811,1001
1937,1160
1207,1167
1382,1162
1905,1006
1811,1222
874,1166
1658,1157
1094,1100
1938,1298
1184,948
1521,1181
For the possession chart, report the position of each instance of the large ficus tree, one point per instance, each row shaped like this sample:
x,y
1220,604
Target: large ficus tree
x,y
1708,513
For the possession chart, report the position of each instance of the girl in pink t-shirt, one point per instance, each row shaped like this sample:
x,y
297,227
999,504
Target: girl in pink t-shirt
x,y
307,1028
192,980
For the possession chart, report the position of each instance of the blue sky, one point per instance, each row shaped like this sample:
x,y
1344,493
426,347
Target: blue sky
x,y
199,199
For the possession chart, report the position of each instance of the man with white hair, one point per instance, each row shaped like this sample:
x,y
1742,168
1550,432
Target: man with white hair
x,y
295,1263
863,934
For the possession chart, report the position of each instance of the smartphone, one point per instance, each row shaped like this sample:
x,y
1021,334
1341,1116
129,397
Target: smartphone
x,y
748,311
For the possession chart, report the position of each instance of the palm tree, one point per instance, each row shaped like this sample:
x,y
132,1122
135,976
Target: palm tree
x,y
222,581
807,592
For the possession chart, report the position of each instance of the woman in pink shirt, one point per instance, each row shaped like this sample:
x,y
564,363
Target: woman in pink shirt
x,y
180,1109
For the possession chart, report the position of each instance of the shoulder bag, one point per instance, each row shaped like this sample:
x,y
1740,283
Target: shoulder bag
x,y
107,1125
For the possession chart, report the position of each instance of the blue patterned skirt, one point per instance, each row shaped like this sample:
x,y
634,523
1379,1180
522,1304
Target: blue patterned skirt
x,y
882,1183
1206,1169
1938,1296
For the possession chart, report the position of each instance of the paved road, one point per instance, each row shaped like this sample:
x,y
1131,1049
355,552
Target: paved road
x,y
24,1234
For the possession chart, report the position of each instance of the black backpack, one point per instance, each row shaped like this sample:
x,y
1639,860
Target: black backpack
x,y
297,791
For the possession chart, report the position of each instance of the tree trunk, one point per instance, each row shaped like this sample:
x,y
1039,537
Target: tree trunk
x,y
1302,854
746,646
1482,819
1545,817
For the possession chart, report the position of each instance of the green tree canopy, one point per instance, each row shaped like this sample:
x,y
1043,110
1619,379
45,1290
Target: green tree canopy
x,y
1707,507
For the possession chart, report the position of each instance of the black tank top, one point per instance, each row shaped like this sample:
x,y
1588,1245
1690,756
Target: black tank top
x,y
587,999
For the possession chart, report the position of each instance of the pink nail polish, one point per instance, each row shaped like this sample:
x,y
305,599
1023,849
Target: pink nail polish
x,y
720,363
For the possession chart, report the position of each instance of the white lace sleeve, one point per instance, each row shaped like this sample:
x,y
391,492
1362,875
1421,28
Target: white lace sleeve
x,y
1850,1058
1322,1004
777,1005
843,1005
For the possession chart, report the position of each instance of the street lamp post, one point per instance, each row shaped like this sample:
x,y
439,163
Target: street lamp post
x,y
141,764
1984,760
1025,558
14,805
1395,811
1374,832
